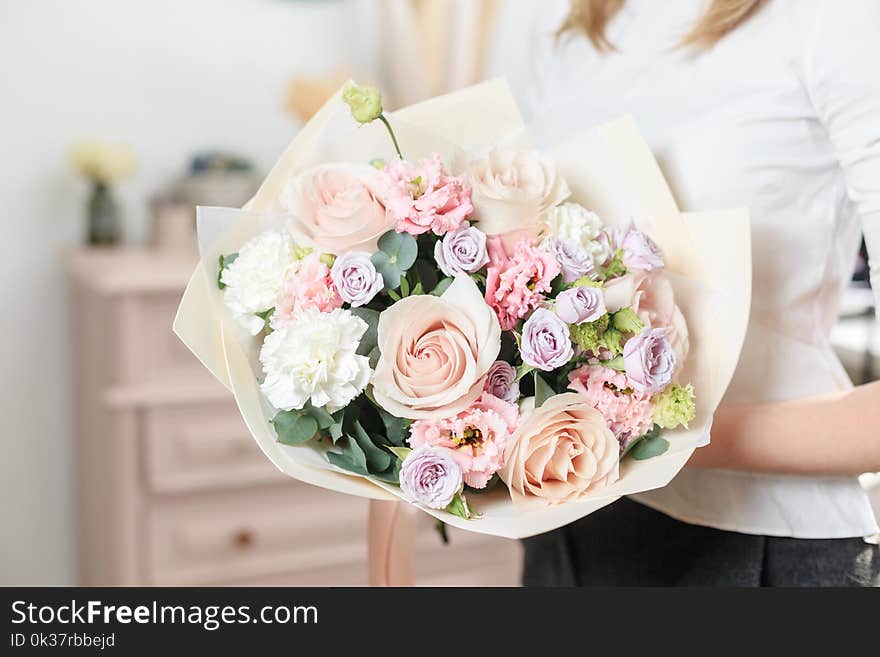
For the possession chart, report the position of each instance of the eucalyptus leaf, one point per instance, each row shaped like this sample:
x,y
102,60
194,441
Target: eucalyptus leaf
x,y
401,249
378,459
396,430
322,417
649,447
522,370
391,273
294,427
442,286
543,391
399,452
392,474
225,261
351,458
371,336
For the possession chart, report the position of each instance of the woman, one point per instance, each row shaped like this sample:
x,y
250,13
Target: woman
x,y
772,104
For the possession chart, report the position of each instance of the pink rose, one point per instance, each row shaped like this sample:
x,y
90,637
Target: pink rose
x,y
517,284
657,309
477,437
435,352
628,412
652,298
308,286
560,452
335,208
422,197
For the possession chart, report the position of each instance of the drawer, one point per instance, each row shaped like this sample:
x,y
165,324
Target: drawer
x,y
202,447
148,349
237,536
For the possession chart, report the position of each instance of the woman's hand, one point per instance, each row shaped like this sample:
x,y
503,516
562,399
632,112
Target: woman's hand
x,y
831,435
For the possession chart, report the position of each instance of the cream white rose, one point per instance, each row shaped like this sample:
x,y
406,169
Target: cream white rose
x,y
256,276
435,352
512,191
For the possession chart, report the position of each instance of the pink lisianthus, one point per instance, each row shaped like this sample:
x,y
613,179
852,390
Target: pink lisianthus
x,y
477,437
423,196
518,283
627,411
308,286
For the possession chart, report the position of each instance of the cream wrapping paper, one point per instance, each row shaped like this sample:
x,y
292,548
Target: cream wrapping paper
x,y
610,169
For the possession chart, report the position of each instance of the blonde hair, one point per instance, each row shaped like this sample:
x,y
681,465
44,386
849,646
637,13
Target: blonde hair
x,y
720,18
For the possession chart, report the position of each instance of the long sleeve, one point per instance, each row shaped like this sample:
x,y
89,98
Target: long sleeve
x,y
842,74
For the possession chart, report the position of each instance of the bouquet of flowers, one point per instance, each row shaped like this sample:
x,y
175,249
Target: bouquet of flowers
x,y
418,306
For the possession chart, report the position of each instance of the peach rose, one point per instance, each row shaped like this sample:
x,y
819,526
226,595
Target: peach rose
x,y
512,190
657,309
652,298
334,208
435,352
560,452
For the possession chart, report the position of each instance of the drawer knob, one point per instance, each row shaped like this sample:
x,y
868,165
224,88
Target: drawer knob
x,y
243,538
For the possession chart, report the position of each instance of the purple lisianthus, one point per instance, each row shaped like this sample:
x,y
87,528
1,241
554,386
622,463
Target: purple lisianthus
x,y
641,252
462,251
430,476
356,278
546,342
574,261
501,382
580,304
649,360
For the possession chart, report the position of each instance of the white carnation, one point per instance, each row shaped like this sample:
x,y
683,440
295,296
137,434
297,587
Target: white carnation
x,y
256,276
573,223
313,358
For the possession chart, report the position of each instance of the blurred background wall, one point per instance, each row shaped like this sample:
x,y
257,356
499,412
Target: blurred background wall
x,y
167,77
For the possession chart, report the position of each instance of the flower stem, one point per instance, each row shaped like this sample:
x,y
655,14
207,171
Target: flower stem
x,y
391,132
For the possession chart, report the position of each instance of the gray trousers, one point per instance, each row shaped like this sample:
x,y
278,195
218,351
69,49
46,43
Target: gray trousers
x,y
629,544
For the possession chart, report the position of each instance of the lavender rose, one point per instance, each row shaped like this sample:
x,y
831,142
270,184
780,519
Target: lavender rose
x,y
546,343
574,261
356,278
580,304
430,476
501,382
649,360
462,251
641,252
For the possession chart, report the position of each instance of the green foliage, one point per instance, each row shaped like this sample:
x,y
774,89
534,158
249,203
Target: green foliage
x,y
371,336
543,391
649,446
459,507
225,261
397,253
371,442
615,267
442,286
298,426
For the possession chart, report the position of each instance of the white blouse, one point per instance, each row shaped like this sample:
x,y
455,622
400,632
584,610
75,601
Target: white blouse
x,y
782,115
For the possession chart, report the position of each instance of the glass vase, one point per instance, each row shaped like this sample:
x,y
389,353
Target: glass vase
x,y
104,228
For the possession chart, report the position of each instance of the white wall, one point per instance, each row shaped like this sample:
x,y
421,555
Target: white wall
x,y
168,77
